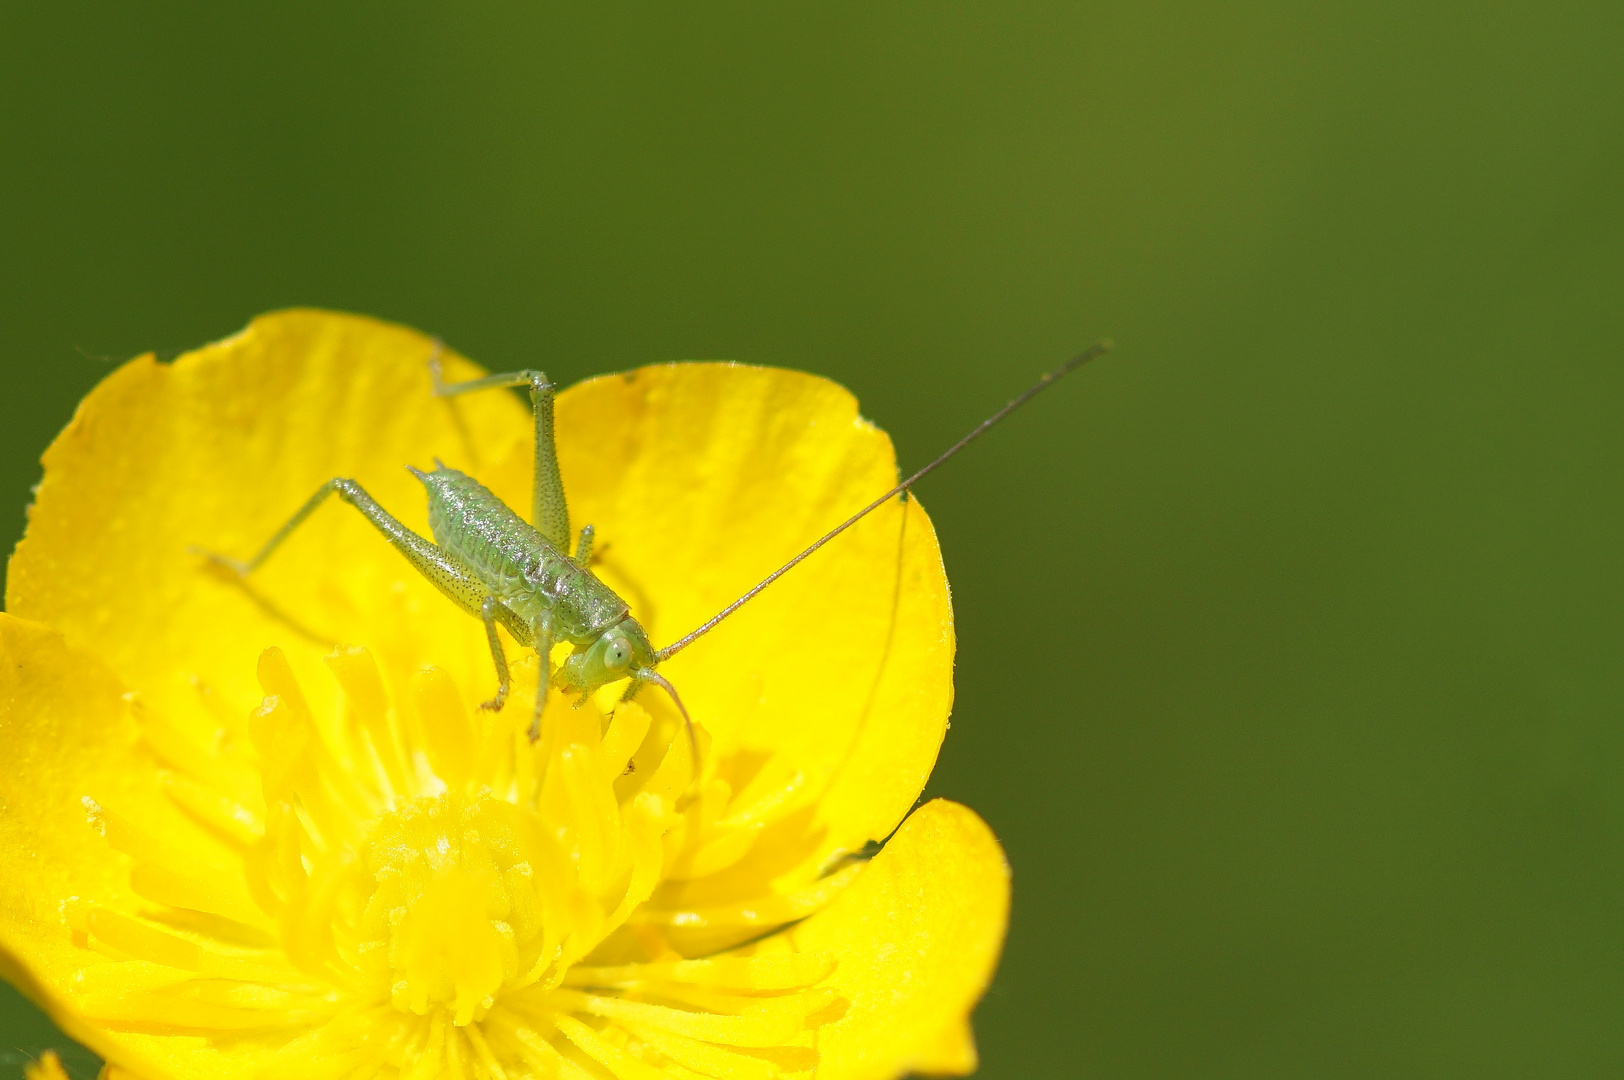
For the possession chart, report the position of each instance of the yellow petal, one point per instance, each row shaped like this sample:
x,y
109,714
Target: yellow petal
x,y
48,1067
700,478
827,697
216,450
67,732
952,1053
917,937
703,478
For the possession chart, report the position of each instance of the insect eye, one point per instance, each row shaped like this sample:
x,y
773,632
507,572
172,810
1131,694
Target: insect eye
x,y
618,654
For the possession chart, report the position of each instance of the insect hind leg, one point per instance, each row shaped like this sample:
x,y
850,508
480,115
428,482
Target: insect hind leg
x,y
549,511
456,581
244,568
444,571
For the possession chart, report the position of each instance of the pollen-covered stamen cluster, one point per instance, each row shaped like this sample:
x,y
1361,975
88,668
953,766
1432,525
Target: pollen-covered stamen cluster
x,y
455,917
420,892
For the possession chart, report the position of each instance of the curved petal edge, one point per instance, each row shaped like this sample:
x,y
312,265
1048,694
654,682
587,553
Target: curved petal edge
x,y
917,937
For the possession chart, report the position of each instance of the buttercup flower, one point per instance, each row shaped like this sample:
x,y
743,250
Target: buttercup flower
x,y
48,1067
263,830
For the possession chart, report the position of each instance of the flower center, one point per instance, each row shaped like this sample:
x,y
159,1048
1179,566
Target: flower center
x,y
422,892
455,909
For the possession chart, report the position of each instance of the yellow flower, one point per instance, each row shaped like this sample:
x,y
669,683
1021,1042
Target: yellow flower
x,y
49,1067
234,850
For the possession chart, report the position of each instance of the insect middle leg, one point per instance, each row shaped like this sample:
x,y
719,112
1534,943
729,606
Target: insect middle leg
x,y
488,609
542,633
549,512
442,569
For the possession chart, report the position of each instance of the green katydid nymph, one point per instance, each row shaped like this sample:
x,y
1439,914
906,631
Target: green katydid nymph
x,y
522,576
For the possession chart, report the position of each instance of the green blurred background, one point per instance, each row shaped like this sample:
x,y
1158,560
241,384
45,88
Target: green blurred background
x,y
1291,665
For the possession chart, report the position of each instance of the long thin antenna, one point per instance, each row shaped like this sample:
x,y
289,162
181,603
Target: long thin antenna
x,y
1099,348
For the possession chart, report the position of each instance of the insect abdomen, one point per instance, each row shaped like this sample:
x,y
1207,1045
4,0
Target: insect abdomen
x,y
514,560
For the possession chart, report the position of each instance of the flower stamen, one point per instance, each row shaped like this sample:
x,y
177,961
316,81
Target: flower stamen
x,y
436,877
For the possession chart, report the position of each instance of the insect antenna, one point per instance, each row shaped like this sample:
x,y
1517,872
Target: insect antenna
x,y
1049,378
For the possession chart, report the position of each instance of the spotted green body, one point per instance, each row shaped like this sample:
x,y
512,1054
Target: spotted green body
x,y
515,562
508,572
519,575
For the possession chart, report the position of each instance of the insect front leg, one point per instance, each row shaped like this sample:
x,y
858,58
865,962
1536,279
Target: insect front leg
x,y
549,512
488,614
583,547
